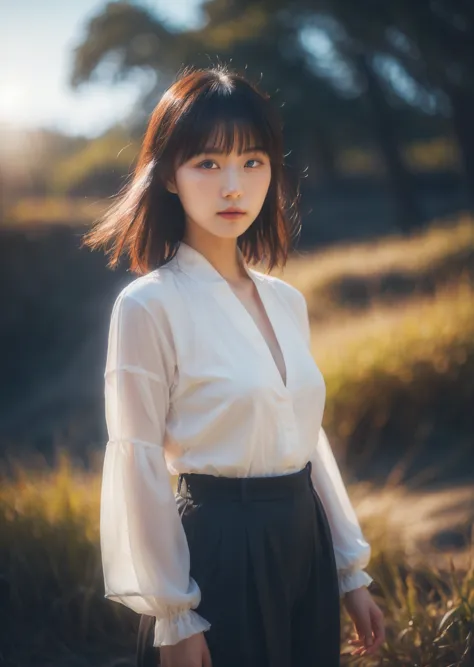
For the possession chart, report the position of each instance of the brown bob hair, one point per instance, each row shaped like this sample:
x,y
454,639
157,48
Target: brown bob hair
x,y
203,107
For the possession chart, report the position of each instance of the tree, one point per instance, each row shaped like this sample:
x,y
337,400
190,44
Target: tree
x,y
440,37
321,116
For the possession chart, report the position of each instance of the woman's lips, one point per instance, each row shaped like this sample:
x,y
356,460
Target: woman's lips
x,y
231,215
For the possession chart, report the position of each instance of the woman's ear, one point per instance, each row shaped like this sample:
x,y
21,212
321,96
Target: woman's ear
x,y
171,187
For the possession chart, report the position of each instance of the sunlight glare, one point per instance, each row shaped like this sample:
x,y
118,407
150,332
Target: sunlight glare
x,y
12,100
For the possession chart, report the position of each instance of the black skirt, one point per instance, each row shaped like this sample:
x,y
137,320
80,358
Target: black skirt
x,y
261,552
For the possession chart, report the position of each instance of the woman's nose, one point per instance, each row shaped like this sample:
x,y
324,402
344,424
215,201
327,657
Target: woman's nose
x,y
231,186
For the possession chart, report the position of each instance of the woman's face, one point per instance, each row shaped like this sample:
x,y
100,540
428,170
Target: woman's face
x,y
211,182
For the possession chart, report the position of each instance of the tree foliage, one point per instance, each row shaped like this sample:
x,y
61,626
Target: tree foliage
x,y
371,76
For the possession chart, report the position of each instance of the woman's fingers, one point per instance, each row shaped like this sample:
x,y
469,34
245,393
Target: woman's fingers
x,y
369,631
378,629
355,642
378,625
365,631
361,642
364,646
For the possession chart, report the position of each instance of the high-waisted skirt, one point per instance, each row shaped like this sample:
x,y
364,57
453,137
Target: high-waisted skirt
x,y
261,552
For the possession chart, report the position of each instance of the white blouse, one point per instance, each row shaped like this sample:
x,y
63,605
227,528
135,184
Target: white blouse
x,y
191,386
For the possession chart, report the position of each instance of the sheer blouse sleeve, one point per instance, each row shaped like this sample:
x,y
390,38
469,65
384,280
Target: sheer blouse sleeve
x,y
145,554
352,551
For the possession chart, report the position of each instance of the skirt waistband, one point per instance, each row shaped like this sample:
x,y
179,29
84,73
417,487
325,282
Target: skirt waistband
x,y
197,486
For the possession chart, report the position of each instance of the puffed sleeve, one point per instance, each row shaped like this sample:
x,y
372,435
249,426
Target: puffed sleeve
x,y
144,550
352,551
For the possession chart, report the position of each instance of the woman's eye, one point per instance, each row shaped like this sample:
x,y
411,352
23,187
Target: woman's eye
x,y
210,164
205,164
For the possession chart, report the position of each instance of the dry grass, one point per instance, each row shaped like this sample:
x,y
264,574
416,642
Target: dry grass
x,y
313,271
49,527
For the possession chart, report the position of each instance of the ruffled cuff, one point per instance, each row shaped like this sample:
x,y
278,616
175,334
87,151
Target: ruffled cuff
x,y
173,629
349,580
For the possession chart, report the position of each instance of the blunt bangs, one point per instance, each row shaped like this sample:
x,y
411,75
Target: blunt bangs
x,y
223,118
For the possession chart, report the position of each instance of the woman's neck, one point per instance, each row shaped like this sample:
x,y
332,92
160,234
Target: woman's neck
x,y
222,253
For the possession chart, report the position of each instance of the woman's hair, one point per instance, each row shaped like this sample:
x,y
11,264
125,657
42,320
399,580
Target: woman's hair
x,y
203,107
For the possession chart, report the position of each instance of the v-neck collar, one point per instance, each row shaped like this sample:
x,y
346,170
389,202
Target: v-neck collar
x,y
194,264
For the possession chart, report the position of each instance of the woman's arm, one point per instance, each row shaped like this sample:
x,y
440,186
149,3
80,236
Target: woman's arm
x,y
145,554
351,550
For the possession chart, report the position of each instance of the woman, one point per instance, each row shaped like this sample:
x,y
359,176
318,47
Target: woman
x,y
209,376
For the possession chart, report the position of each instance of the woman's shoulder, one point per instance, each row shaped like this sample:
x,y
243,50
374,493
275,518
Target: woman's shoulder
x,y
153,291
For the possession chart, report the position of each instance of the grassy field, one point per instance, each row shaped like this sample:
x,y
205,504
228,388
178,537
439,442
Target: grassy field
x,y
397,360
51,565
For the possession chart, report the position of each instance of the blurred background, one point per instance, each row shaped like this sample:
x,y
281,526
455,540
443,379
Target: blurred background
x,y
377,101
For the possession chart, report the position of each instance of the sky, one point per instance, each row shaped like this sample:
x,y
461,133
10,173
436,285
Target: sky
x,y
37,38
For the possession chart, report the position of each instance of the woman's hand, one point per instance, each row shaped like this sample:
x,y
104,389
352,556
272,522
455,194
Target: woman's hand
x,y
368,621
190,652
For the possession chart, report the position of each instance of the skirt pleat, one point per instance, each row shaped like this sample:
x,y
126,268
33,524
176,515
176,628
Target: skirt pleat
x,y
262,555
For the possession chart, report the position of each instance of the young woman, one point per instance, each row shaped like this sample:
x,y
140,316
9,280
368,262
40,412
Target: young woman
x,y
209,376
